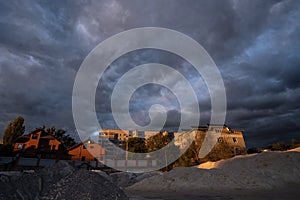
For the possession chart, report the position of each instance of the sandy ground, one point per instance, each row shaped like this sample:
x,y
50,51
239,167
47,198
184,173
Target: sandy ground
x,y
269,175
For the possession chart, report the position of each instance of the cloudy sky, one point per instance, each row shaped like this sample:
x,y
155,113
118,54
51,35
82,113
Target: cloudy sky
x,y
255,44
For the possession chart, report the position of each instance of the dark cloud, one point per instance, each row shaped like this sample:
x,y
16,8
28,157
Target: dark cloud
x,y
255,44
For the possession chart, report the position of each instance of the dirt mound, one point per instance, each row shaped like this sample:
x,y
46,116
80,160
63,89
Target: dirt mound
x,y
60,181
261,171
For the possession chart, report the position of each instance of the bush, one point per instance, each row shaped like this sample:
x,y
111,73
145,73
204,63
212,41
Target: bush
x,y
278,146
254,150
295,143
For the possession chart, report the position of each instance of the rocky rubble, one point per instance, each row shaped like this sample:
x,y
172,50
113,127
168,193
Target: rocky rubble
x,y
60,181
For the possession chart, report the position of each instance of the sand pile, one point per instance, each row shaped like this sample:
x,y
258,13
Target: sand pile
x,y
261,171
296,149
60,181
218,164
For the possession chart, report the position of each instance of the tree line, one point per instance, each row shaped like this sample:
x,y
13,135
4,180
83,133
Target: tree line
x,y
221,150
276,146
190,157
16,128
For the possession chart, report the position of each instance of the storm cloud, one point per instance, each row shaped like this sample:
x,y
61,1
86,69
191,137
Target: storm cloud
x,y
255,44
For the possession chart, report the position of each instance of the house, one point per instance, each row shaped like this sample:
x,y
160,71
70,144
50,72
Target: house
x,y
87,151
39,143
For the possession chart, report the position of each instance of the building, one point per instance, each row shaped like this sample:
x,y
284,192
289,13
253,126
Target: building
x,y
119,137
221,134
38,143
116,136
87,151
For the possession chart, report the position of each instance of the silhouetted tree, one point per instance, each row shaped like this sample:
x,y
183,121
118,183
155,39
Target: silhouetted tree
x,y
157,141
278,146
254,150
188,158
221,150
60,134
136,145
15,129
295,143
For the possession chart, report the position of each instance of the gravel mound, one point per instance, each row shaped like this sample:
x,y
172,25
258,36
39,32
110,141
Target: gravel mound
x,y
261,171
61,181
125,179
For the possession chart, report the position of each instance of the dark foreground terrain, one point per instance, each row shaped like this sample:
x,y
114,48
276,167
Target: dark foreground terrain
x,y
271,175
288,192
61,181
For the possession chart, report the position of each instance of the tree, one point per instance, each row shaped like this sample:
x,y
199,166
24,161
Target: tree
x,y
157,141
295,143
14,130
278,146
160,141
60,134
221,150
136,145
188,158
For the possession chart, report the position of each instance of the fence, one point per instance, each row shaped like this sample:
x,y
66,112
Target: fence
x,y
38,162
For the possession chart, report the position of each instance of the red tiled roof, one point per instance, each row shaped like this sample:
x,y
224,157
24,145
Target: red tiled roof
x,y
50,137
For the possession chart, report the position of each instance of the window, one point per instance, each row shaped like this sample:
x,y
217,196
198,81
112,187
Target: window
x,y
116,136
83,158
220,139
84,147
234,139
34,136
